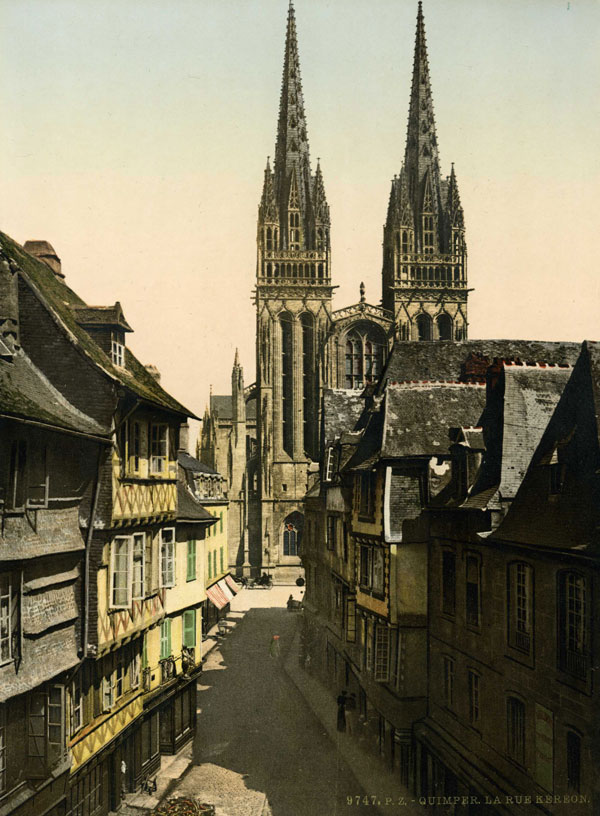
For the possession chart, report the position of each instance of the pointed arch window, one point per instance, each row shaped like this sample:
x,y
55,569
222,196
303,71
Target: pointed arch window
x,y
444,326
428,234
423,327
291,534
285,322
269,239
364,356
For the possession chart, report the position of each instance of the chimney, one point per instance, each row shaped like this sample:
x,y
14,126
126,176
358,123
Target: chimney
x,y
184,437
45,252
9,307
153,371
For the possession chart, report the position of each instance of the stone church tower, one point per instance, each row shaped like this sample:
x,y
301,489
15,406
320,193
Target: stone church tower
x,y
293,314
424,253
302,345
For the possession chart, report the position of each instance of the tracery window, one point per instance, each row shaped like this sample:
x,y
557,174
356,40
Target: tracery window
x,y
292,533
364,357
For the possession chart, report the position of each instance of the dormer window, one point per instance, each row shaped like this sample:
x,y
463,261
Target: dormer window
x,y
117,348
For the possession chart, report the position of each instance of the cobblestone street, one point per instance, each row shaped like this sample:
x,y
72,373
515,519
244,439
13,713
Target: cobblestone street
x,y
259,748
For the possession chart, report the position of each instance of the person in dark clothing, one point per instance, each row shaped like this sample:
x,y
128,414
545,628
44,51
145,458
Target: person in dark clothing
x,y
341,715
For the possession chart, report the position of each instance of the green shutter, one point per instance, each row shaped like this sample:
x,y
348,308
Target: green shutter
x,y
165,638
222,567
209,564
221,522
189,627
214,562
191,560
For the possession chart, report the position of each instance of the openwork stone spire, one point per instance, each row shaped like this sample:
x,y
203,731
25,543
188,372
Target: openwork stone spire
x,y
292,151
421,155
424,277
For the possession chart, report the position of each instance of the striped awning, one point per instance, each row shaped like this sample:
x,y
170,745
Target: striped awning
x,y
232,584
217,596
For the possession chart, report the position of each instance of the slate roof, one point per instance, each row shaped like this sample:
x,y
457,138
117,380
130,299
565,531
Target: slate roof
x,y
417,418
102,316
437,360
568,518
414,420
189,509
515,418
341,411
25,393
220,404
63,303
194,465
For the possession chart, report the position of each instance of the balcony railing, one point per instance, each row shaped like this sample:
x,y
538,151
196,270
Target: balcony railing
x,y
167,669
574,663
521,641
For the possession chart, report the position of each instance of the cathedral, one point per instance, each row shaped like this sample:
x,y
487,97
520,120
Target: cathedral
x,y
265,437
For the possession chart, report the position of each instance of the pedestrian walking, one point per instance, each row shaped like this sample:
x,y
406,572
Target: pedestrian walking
x,y
341,715
351,714
274,647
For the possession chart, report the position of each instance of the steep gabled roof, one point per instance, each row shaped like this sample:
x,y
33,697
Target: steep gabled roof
x,y
517,411
414,420
63,304
568,517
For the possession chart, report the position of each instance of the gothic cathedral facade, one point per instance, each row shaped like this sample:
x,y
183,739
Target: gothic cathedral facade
x,y
266,438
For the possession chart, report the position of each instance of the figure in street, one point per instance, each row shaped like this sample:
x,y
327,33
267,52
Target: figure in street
x,y
351,713
274,647
341,715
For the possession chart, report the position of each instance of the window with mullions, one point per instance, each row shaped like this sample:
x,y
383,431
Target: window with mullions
x,y
167,557
473,681
165,639
364,357
292,534
448,582
573,762
10,589
520,606
515,729
159,440
572,624
473,591
117,348
46,734
366,486
449,682
2,749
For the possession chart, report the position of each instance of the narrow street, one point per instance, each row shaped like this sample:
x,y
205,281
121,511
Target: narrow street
x,y
259,749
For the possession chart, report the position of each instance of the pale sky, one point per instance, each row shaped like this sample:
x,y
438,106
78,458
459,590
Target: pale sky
x,y
135,133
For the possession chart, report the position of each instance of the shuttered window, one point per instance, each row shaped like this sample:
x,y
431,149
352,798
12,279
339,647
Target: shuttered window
x,y
191,560
139,565
165,639
189,628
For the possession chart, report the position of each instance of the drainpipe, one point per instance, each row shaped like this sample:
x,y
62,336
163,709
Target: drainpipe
x,y
88,543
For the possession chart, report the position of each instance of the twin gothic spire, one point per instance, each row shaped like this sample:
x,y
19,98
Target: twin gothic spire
x,y
291,188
